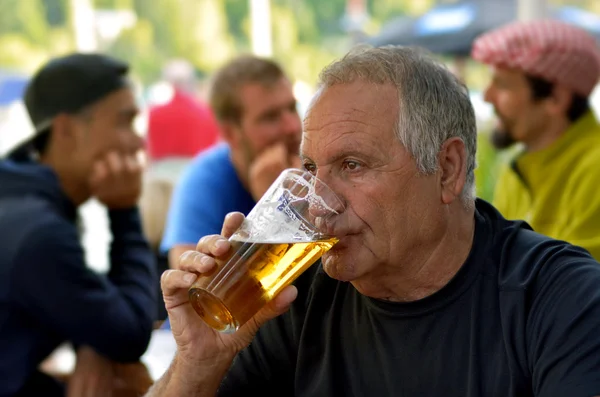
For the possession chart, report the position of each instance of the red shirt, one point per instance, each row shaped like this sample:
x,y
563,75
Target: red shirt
x,y
181,128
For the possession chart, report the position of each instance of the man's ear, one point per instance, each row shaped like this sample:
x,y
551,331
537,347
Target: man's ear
x,y
230,133
559,102
453,167
64,133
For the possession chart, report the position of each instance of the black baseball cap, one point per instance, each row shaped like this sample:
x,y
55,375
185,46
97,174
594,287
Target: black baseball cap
x,y
67,85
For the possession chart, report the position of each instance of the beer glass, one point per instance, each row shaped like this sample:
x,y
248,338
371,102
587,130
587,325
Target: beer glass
x,y
286,232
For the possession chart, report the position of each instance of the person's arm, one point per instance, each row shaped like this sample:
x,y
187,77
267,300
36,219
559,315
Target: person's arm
x,y
562,328
132,263
113,314
185,380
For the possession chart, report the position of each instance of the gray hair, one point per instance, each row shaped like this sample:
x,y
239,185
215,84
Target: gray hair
x,y
434,104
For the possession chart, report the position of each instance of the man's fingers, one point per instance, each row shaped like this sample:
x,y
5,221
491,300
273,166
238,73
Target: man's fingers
x,y
172,281
196,262
279,155
131,164
214,245
278,149
115,163
232,222
274,157
99,171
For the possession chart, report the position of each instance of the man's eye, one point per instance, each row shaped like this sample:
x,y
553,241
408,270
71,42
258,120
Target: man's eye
x,y
351,165
310,168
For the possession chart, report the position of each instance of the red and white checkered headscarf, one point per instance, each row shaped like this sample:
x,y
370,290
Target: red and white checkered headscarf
x,y
549,49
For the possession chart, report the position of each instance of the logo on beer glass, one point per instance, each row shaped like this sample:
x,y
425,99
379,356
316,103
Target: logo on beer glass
x,y
285,233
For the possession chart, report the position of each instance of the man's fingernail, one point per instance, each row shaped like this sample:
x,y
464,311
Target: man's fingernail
x,y
222,244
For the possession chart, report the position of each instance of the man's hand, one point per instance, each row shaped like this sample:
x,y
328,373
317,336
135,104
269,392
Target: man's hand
x,y
204,355
267,167
93,375
116,180
176,252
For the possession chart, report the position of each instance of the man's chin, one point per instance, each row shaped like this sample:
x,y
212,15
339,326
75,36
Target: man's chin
x,y
501,139
335,267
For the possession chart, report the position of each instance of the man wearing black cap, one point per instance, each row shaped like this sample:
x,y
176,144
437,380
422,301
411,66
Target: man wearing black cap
x,y
84,146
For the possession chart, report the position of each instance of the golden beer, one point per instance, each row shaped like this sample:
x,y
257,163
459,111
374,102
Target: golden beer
x,y
226,298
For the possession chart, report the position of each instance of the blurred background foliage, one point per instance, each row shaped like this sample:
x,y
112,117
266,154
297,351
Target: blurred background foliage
x,y
307,35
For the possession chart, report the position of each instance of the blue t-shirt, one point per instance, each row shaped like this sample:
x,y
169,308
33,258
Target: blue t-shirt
x,y
208,190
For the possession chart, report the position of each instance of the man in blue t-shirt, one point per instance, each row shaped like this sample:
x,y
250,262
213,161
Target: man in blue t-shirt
x,y
254,103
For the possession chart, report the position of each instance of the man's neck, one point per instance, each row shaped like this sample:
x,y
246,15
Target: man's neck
x,y
428,269
550,133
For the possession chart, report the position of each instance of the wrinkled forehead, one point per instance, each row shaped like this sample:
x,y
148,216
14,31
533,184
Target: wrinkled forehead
x,y
355,96
344,118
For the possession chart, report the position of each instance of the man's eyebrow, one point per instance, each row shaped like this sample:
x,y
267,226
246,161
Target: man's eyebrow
x,y
340,155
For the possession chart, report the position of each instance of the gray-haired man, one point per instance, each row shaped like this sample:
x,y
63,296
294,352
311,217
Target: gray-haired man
x,y
429,292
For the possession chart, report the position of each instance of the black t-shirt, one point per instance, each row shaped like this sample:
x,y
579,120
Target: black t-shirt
x,y
520,318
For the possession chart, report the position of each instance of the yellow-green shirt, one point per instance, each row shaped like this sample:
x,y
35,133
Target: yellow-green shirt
x,y
557,190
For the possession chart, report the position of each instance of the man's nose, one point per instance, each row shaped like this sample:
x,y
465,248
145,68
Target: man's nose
x,y
326,208
328,222
488,94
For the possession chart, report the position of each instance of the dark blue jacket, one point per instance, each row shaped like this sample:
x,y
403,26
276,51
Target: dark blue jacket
x,y
47,293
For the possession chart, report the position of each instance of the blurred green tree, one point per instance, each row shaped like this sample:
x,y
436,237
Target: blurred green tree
x,y
193,29
307,33
31,31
